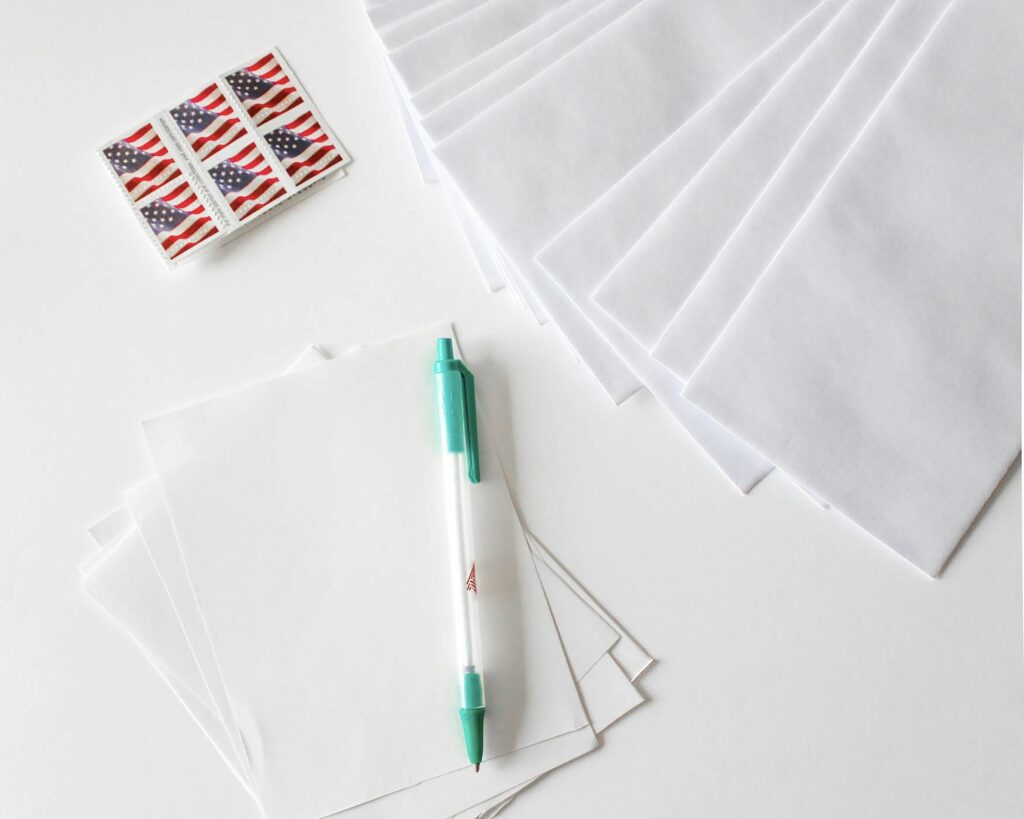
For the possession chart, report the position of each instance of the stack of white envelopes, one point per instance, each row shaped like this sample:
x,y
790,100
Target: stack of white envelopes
x,y
797,223
284,571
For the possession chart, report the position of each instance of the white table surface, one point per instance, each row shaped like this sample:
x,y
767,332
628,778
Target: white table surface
x,y
805,671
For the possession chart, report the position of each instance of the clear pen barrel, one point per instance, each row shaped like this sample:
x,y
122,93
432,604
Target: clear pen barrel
x,y
462,566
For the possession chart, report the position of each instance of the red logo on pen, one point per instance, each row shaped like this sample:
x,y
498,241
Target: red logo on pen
x,y
471,580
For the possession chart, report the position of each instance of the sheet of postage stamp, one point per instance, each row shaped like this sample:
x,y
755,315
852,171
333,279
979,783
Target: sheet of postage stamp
x,y
199,173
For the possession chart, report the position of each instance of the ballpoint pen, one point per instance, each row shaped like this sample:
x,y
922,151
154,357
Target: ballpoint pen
x,y
456,395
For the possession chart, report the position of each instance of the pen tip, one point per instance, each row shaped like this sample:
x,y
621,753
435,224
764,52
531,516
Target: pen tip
x,y
478,767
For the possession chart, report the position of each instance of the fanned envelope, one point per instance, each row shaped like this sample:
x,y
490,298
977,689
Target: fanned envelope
x,y
448,103
514,47
648,285
530,163
586,251
805,171
878,359
440,51
413,20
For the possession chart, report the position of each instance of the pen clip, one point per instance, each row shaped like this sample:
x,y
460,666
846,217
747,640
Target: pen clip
x,y
469,423
446,366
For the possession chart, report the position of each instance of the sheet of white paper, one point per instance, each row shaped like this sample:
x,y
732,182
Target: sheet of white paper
x,y
647,287
801,176
609,695
129,589
491,807
528,765
585,632
443,796
112,527
322,435
128,585
149,511
586,637
603,694
878,359
628,653
532,162
125,584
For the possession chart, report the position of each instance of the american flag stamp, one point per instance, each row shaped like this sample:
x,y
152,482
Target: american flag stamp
x,y
208,121
265,89
141,162
247,181
247,143
304,148
178,219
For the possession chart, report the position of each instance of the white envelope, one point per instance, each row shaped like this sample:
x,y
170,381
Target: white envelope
x,y
583,254
386,12
444,116
532,162
465,76
441,51
479,85
878,359
649,284
473,71
432,16
291,486
802,175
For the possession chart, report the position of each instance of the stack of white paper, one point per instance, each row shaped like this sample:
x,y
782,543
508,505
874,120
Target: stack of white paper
x,y
634,171
284,572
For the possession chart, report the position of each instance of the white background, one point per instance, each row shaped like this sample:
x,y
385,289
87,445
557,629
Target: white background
x,y
805,671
